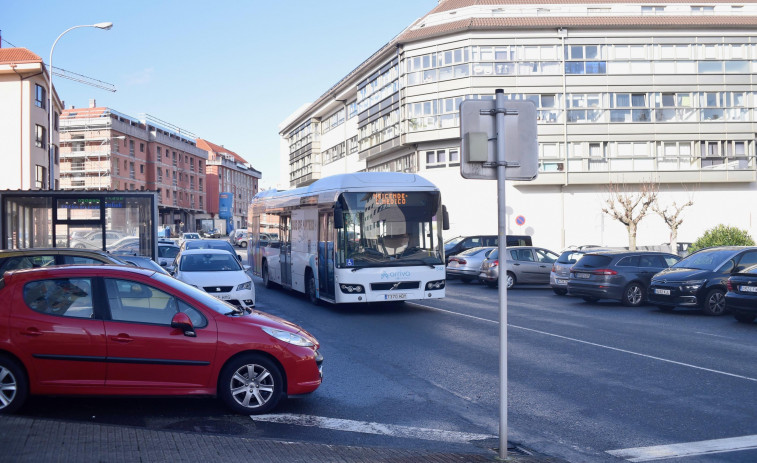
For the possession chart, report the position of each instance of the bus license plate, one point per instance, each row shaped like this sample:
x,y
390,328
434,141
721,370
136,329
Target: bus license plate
x,y
395,297
663,292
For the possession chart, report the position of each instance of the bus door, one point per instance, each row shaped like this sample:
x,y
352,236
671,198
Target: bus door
x,y
285,256
326,254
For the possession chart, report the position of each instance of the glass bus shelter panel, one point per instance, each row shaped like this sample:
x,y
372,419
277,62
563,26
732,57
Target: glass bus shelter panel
x,y
28,222
128,226
78,209
78,236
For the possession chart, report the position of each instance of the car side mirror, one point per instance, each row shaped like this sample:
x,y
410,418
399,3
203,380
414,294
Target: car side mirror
x,y
164,264
239,258
182,322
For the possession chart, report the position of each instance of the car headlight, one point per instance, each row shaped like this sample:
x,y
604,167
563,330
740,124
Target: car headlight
x,y
245,286
692,285
288,337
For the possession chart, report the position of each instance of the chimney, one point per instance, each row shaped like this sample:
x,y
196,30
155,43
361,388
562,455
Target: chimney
x,y
92,103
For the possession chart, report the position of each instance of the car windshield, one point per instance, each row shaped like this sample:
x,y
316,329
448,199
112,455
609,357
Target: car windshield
x,y
706,260
213,303
191,236
210,262
594,261
474,251
450,243
209,244
569,257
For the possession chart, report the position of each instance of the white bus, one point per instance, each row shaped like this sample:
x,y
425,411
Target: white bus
x,y
352,238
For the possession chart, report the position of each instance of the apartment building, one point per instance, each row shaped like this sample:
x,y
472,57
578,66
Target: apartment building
x,y
24,121
626,94
102,149
228,172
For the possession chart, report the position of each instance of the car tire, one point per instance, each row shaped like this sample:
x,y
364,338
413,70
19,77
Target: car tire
x,y
251,384
745,317
266,278
590,298
633,295
714,303
243,244
560,292
14,386
310,289
511,280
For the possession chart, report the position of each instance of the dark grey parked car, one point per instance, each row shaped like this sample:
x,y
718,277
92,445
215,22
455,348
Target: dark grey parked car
x,y
620,275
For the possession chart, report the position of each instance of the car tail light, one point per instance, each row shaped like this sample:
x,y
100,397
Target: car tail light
x,y
604,271
554,269
494,263
729,285
459,261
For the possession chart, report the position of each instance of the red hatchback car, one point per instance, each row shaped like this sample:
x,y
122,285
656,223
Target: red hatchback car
x,y
111,330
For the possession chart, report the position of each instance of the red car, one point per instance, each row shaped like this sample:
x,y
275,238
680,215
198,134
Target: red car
x,y
112,330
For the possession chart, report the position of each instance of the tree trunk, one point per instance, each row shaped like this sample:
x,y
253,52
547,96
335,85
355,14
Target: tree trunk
x,y
674,240
631,236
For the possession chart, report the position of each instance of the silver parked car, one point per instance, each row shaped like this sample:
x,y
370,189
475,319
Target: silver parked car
x,y
467,265
525,264
558,277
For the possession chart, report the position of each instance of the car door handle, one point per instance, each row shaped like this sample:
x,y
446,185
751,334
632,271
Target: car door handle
x,y
516,264
122,338
31,332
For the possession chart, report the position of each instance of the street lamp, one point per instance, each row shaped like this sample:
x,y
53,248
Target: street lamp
x,y
51,160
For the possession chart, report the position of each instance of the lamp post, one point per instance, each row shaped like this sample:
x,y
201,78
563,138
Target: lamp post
x,y
51,156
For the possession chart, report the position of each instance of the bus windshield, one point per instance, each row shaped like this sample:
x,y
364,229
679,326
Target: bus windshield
x,y
390,229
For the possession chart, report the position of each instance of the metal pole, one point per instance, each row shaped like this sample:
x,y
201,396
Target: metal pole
x,y
499,107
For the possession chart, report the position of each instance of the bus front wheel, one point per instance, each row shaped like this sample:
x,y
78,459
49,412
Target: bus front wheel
x,y
266,279
310,288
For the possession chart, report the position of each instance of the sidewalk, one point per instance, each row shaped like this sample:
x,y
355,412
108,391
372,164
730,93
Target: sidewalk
x,y
33,440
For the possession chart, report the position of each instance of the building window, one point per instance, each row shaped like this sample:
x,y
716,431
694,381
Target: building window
x,y
40,97
159,155
40,182
131,148
40,136
141,147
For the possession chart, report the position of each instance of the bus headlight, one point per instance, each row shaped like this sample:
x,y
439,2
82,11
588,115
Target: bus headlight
x,y
351,289
432,285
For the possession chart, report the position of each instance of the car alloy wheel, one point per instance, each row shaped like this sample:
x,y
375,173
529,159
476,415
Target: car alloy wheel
x,y
13,385
251,384
714,302
510,280
633,296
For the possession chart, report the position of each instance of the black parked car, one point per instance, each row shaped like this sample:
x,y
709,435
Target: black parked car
x,y
741,298
699,280
621,275
454,246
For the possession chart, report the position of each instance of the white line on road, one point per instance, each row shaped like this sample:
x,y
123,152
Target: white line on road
x,y
733,375
372,428
687,449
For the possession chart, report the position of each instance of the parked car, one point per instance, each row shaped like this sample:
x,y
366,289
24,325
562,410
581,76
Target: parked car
x,y
699,280
210,244
454,246
243,239
560,272
467,265
525,264
235,235
741,298
217,273
188,236
144,334
166,255
94,239
125,246
145,262
12,259
620,275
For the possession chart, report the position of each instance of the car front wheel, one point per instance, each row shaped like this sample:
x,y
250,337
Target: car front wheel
x,y
510,280
714,302
560,292
633,296
310,290
266,279
14,387
251,384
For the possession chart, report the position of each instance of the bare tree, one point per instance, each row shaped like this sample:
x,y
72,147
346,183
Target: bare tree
x,y
629,208
672,217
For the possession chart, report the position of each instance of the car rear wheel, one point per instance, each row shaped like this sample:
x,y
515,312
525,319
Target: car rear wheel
x,y
560,292
633,295
14,387
745,317
510,280
251,384
714,302
243,244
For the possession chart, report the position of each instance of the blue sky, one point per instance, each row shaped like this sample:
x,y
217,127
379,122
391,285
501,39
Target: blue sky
x,y
227,71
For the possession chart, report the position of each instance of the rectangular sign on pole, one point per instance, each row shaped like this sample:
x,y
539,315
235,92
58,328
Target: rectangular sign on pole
x,y
478,133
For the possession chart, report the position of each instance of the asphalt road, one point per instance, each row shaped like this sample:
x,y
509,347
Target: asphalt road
x,y
584,379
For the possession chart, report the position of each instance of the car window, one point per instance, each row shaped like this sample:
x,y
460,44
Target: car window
x,y
168,251
79,260
131,301
69,297
20,262
523,255
747,260
209,263
569,257
670,260
629,261
472,242
594,261
547,257
490,241
706,260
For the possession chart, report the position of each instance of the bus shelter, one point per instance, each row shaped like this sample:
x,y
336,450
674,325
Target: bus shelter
x,y
116,221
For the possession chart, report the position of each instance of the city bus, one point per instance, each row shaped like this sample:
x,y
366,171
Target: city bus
x,y
351,238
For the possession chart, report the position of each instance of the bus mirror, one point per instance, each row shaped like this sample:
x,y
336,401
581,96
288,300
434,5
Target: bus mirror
x,y
445,218
338,216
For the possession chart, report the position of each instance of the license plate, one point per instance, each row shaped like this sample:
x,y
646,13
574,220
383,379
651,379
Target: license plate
x,y
582,275
748,289
223,297
395,297
561,282
662,292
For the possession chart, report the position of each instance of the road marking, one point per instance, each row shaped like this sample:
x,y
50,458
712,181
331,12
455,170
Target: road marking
x,y
372,428
688,449
696,367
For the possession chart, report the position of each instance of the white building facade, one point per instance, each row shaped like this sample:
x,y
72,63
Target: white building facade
x,y
627,94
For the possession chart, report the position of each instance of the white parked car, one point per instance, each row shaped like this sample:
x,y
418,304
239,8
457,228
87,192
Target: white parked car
x,y
218,273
